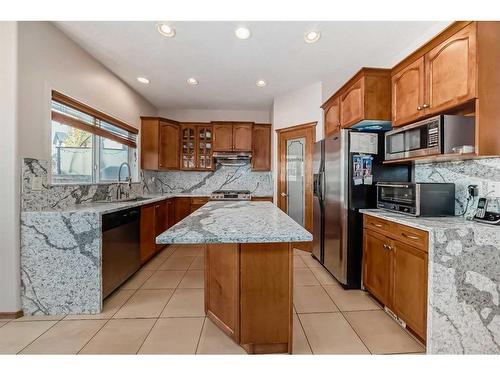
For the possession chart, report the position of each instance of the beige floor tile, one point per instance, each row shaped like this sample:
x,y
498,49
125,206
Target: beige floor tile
x,y
214,341
312,299
351,300
381,334
14,336
300,344
198,263
123,336
145,303
166,252
298,262
164,280
177,263
324,276
303,277
138,279
37,318
185,303
188,250
310,261
331,334
300,252
66,337
173,336
193,279
3,322
154,263
110,306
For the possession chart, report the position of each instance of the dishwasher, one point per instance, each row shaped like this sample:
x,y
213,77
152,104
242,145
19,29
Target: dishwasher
x,y
120,248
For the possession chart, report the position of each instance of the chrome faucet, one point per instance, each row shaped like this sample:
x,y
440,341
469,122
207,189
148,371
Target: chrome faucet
x,y
119,191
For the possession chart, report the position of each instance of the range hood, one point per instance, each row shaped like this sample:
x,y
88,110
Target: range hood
x,y
232,158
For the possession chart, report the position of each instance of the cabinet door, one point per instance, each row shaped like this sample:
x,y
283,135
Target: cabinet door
x,y
451,71
148,228
223,137
182,208
410,286
332,117
352,104
408,93
188,147
169,146
261,148
377,266
205,142
170,212
242,137
161,222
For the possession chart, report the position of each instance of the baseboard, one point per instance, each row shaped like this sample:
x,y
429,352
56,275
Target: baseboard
x,y
11,315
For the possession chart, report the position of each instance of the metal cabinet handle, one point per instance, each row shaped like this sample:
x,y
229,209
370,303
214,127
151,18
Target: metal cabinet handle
x,y
387,247
410,237
426,106
419,108
284,194
377,225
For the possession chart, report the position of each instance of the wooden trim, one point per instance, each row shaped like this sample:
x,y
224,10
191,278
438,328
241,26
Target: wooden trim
x,y
160,119
75,123
11,315
70,102
306,125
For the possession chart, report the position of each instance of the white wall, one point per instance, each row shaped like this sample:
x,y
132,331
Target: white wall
x,y
48,60
10,167
294,108
206,115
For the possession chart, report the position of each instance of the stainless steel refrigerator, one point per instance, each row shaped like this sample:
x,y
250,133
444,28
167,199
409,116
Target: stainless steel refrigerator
x,y
337,198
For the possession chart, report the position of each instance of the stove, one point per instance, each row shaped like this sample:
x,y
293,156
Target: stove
x,y
231,195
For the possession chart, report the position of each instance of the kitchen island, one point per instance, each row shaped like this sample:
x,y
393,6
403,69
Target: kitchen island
x,y
248,269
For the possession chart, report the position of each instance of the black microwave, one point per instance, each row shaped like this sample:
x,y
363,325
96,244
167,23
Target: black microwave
x,y
432,136
416,198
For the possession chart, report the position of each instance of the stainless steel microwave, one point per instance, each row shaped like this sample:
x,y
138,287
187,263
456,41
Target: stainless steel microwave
x,y
432,136
416,198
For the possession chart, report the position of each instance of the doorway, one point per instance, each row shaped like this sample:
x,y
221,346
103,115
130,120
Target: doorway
x,y
295,175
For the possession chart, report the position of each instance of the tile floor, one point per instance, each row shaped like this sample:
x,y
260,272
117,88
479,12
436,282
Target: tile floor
x,y
160,310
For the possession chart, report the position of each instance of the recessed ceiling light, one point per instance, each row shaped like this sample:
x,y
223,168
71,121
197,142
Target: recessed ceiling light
x,y
166,30
261,83
242,33
192,81
143,80
312,36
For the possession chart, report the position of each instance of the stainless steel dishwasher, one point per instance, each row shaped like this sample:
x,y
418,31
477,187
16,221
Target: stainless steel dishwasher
x,y
120,248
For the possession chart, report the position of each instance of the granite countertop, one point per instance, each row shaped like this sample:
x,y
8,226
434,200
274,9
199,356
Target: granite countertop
x,y
235,222
427,223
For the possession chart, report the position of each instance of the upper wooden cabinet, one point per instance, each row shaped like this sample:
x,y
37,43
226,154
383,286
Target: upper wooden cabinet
x,y
261,147
366,96
159,143
196,147
188,146
408,93
232,136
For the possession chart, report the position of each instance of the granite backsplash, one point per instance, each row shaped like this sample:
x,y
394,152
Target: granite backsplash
x,y
480,172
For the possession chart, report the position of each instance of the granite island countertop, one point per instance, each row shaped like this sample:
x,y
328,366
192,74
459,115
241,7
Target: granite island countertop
x,y
463,312
235,222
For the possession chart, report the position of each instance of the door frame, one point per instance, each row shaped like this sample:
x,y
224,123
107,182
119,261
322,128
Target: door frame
x,y
307,131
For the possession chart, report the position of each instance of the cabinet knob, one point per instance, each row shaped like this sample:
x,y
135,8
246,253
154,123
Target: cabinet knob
x,y
426,106
284,194
419,108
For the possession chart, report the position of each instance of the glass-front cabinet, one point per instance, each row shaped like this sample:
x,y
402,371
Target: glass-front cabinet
x,y
196,147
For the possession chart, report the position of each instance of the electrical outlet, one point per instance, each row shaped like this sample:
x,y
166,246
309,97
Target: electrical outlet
x,y
494,189
37,183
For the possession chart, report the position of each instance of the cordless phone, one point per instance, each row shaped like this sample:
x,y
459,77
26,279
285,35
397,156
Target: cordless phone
x,y
483,216
481,208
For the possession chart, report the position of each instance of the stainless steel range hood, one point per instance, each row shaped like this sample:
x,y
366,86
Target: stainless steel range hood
x,y
232,158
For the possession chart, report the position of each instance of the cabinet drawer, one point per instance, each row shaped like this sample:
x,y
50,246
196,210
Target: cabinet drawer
x,y
411,236
377,224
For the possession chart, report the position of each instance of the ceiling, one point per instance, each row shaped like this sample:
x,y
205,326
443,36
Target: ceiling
x,y
227,68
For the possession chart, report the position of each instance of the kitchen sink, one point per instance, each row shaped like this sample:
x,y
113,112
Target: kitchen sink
x,y
136,199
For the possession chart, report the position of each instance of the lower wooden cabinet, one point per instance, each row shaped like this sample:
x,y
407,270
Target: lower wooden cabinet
x,y
395,271
147,235
182,208
198,202
262,199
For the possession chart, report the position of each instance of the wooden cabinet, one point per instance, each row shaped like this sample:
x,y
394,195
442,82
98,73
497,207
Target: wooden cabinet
x,y
198,202
408,93
148,231
188,147
261,147
196,147
159,143
395,263
161,220
365,97
233,136
262,199
182,208
332,117
204,159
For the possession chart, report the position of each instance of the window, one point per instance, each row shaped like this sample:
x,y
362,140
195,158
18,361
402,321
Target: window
x,y
87,145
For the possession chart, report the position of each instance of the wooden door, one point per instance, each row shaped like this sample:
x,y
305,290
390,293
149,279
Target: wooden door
x,y
147,236
332,117
408,93
188,147
352,104
242,137
295,172
223,137
169,146
451,71
182,208
377,266
205,143
410,286
261,148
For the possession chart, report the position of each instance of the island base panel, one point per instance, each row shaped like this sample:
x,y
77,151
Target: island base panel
x,y
248,294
